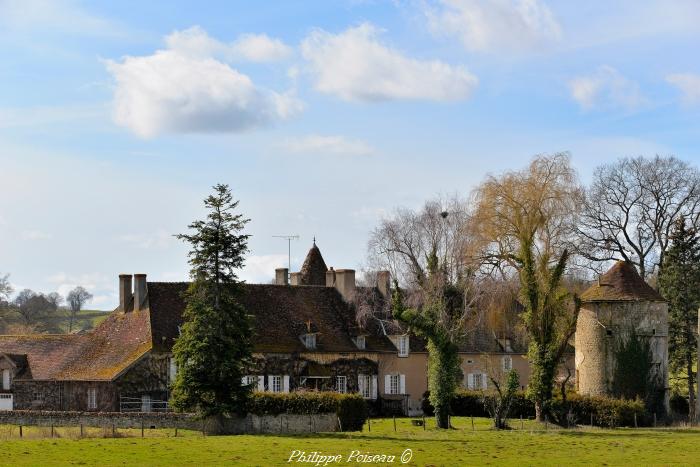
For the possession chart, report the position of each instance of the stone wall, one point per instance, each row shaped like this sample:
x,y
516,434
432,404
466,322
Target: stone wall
x,y
600,328
279,424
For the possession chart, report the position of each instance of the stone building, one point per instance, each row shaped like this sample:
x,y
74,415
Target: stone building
x,y
620,306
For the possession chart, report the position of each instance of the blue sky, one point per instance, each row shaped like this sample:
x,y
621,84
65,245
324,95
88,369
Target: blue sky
x,y
117,117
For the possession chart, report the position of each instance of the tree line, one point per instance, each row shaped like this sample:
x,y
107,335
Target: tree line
x,y
32,312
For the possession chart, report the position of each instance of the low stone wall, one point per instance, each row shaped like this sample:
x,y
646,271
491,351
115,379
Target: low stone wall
x,y
274,424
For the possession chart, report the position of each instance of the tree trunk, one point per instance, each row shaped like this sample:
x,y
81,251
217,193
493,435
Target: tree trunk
x,y
539,411
442,416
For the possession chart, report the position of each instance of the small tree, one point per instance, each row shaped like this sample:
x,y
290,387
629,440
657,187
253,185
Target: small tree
x,y
213,352
77,298
499,403
680,285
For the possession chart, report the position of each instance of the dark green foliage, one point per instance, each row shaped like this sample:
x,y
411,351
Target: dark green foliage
x,y
680,285
213,350
350,408
679,405
633,363
606,411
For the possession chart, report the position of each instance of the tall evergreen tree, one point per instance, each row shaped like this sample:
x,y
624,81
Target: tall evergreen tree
x,y
680,285
214,350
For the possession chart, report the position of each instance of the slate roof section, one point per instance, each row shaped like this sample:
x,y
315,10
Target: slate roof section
x,y
100,355
313,271
622,282
280,315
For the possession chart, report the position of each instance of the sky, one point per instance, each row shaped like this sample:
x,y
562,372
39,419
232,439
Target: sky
x,y
116,118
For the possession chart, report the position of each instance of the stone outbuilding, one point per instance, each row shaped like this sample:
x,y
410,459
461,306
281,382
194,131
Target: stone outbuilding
x,y
619,307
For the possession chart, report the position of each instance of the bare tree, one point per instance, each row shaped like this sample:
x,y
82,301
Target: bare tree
x,y
5,288
76,299
37,310
524,220
630,208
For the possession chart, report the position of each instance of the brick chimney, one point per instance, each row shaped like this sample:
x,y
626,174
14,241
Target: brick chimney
x,y
282,276
345,283
384,283
125,295
140,292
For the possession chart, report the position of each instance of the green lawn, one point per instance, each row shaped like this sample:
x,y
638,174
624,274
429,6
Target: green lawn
x,y
461,446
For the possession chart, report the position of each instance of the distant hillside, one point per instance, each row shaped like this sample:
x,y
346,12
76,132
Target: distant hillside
x,y
56,323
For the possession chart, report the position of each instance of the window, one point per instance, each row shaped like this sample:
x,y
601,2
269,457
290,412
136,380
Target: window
x,y
275,383
38,396
145,403
172,369
507,362
478,381
341,384
92,398
609,332
250,380
6,380
403,346
309,340
365,386
394,382
360,342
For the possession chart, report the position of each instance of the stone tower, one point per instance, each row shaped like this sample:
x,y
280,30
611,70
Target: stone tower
x,y
618,305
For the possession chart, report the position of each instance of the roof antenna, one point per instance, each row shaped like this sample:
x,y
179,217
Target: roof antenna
x,y
289,239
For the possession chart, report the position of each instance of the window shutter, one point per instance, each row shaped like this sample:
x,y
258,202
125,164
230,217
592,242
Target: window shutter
x,y
361,384
387,384
402,384
484,380
373,389
470,381
261,383
285,383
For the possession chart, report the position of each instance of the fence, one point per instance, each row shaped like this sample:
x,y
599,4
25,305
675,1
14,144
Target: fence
x,y
142,404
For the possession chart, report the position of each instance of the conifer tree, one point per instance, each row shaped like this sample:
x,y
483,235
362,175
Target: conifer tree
x,y
680,285
214,350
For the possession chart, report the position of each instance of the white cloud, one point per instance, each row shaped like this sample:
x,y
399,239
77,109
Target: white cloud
x,y
175,91
688,84
484,25
329,145
64,16
36,235
606,88
261,268
253,47
355,65
96,283
158,239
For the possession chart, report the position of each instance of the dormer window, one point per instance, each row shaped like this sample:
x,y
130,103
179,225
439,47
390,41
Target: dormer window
x,y
360,342
403,346
309,341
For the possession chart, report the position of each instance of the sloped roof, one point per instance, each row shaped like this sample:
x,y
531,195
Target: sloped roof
x,y
101,354
280,315
622,282
313,271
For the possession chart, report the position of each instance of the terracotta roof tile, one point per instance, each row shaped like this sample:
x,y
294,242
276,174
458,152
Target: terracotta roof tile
x,y
621,283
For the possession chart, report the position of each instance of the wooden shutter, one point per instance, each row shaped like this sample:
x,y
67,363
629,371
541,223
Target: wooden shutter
x,y
373,388
285,383
402,384
470,381
361,384
387,384
484,380
261,383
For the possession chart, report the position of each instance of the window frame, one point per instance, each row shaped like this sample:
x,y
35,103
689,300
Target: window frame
x,y
275,380
343,386
403,346
509,359
92,398
394,384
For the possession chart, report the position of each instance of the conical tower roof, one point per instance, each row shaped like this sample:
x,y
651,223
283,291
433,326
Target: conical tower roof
x,y
622,282
313,271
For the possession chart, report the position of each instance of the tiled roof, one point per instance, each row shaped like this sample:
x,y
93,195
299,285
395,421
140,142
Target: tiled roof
x,y
280,315
620,283
101,354
313,271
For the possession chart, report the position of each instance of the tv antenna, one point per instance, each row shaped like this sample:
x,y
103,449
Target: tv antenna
x,y
289,239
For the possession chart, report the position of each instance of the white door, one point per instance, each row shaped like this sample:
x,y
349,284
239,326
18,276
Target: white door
x,y
6,402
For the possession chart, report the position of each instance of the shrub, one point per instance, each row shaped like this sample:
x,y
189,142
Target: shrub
x,y
679,405
350,408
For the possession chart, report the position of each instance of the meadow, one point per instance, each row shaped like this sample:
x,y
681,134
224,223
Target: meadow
x,y
530,445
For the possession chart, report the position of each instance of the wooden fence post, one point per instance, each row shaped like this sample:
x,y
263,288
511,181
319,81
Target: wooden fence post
x,y
472,422
176,432
20,431
423,422
369,424
394,422
114,431
142,427
522,426
81,430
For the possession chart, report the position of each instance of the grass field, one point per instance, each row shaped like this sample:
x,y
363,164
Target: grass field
x,y
59,322
461,446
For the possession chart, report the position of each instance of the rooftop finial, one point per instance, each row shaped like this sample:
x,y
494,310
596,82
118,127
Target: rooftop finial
x,y
314,239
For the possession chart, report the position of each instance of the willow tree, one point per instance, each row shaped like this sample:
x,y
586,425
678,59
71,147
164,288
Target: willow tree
x,y
524,219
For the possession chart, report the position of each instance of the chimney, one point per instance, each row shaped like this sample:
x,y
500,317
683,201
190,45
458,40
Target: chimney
x,y
295,278
384,283
140,292
330,277
124,292
345,283
282,276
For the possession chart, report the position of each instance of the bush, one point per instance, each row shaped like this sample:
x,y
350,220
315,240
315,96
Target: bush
x,y
679,405
606,411
350,408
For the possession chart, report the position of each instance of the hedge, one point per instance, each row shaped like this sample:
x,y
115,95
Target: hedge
x,y
606,411
350,408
